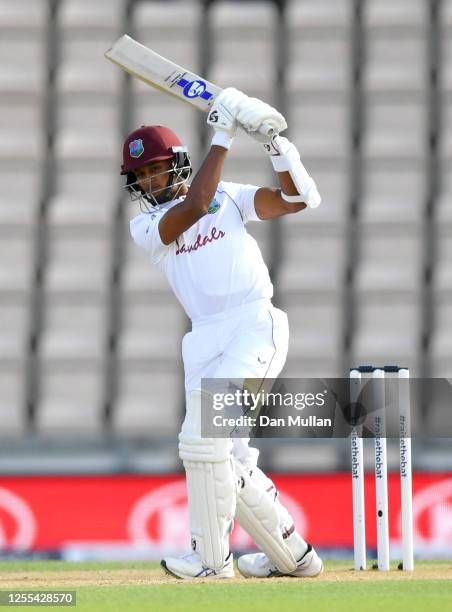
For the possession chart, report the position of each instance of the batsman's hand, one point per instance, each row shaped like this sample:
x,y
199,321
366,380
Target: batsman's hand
x,y
277,146
222,115
255,115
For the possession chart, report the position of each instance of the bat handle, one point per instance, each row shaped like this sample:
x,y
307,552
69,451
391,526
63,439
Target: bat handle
x,y
267,130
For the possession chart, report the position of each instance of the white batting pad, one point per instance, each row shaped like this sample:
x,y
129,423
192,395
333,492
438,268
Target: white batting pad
x,y
266,520
211,486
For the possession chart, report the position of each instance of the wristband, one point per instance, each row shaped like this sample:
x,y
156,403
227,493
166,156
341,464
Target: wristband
x,y
222,139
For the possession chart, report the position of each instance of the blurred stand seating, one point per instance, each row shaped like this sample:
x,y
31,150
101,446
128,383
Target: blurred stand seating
x,y
108,349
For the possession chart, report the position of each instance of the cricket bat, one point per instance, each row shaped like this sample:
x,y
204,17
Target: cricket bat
x,y
163,74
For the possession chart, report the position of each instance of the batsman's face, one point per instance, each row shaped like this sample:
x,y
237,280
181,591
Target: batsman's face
x,y
153,177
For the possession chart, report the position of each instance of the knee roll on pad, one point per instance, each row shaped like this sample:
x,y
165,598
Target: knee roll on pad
x,y
192,447
211,486
270,525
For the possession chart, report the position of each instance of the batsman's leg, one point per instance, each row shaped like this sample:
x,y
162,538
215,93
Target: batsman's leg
x,y
212,490
257,350
272,528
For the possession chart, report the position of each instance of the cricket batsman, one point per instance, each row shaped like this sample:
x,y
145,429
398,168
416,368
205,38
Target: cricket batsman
x,y
197,236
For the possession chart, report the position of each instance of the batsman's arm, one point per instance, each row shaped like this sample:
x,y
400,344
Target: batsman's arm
x,y
199,197
202,190
298,190
268,201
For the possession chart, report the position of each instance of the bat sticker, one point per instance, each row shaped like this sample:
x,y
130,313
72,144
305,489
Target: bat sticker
x,y
195,89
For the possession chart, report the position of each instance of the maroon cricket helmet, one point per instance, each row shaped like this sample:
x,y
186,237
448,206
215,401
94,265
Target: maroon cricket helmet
x,y
149,143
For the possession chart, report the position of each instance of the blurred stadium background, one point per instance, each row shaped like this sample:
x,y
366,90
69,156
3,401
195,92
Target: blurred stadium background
x,y
90,370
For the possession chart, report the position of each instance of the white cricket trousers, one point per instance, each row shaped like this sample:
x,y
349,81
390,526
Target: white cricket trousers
x,y
248,341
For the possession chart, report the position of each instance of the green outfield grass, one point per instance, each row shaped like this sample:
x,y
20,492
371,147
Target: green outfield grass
x,y
144,586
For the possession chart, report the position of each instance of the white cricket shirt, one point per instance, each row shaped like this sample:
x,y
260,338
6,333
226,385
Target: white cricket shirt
x,y
216,264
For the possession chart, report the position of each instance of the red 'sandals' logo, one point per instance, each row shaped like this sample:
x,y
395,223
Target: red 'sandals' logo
x,y
200,241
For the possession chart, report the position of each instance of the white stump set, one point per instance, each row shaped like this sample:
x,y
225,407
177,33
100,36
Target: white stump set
x,y
381,467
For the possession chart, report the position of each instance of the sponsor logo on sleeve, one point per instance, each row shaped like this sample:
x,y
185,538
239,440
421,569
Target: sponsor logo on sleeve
x,y
214,206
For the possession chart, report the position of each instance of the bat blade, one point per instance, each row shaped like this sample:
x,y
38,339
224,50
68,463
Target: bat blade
x,y
161,73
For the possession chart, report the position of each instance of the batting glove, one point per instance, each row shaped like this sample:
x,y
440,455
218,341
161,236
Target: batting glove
x,y
260,120
222,116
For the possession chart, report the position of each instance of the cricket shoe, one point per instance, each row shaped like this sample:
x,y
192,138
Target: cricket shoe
x,y
190,567
258,565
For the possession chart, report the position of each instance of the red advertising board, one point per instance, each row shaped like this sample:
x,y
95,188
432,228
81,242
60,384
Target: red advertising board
x,y
149,513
